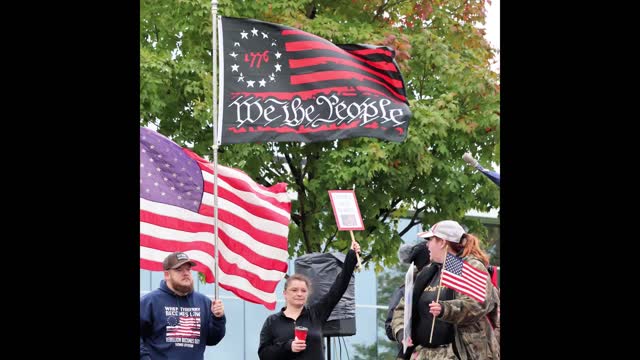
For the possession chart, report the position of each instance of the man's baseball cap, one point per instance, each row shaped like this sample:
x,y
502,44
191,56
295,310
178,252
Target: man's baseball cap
x,y
175,260
447,229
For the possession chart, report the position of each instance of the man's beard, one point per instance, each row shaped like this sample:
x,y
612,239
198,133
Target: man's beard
x,y
184,289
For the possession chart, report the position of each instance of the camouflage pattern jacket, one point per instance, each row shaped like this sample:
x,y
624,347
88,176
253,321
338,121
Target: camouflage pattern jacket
x,y
475,338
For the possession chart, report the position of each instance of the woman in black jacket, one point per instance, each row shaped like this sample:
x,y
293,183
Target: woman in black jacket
x,y
277,340
407,253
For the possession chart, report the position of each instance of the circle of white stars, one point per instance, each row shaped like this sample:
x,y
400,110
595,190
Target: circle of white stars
x,y
260,81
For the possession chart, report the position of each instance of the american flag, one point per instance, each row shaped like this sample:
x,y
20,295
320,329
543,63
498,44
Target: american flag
x,y
183,326
176,214
283,84
460,276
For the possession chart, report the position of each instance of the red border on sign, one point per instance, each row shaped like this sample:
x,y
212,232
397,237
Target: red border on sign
x,y
335,214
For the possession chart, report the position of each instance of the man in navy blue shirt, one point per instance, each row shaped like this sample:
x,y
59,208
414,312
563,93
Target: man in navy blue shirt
x,y
176,322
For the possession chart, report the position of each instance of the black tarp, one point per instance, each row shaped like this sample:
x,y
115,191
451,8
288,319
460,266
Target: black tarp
x,y
322,269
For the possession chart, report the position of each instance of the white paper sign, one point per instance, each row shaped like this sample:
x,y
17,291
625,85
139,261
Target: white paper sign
x,y
346,210
408,302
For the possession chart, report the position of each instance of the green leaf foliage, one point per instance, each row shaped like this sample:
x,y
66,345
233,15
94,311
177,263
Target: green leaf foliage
x,y
454,97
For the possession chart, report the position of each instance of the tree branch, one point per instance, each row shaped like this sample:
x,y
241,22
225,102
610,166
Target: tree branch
x,y
297,176
379,11
329,241
365,259
311,12
384,6
383,214
422,79
413,221
297,219
277,174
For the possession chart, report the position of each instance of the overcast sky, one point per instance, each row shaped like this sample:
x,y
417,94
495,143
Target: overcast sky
x,y
493,29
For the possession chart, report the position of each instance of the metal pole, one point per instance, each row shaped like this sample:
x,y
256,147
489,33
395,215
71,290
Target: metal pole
x,y
214,27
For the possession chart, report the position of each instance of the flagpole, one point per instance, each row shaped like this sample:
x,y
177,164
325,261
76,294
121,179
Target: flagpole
x,y
433,324
214,16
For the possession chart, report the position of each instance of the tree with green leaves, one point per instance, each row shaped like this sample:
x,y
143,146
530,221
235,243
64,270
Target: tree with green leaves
x,y
454,97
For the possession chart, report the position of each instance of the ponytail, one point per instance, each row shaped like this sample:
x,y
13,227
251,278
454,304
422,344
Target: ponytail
x,y
472,247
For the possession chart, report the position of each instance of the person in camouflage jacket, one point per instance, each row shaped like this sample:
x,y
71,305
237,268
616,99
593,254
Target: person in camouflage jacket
x,y
424,291
475,337
476,324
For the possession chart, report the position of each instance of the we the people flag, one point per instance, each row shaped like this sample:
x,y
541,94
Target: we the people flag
x,y
176,214
278,83
460,276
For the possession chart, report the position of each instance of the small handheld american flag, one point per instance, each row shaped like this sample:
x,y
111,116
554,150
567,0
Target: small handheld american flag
x,y
460,276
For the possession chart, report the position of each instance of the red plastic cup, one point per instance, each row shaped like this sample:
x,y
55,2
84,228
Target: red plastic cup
x,y
301,333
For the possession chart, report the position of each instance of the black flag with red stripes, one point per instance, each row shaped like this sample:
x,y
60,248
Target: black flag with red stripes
x,y
283,84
